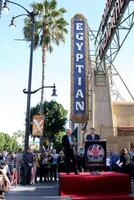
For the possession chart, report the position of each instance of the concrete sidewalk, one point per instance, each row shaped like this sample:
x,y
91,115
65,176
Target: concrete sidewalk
x,y
39,191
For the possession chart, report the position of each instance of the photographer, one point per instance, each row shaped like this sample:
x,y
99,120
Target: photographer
x,y
4,182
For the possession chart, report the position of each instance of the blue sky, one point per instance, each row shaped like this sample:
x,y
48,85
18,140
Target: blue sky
x,y
14,63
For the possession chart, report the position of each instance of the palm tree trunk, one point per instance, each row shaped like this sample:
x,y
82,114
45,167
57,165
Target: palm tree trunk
x,y
43,78
42,92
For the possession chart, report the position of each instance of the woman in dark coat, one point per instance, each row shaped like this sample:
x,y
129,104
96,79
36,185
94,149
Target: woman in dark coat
x,y
125,161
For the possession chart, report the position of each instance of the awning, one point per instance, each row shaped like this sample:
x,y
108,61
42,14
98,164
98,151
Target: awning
x,y
127,129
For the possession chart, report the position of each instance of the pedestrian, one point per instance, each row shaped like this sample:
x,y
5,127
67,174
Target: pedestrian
x,y
46,166
108,165
93,135
125,161
18,164
61,162
114,157
69,145
27,166
53,165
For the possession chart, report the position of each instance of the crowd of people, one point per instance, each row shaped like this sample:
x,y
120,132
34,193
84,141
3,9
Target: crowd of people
x,y
121,162
31,167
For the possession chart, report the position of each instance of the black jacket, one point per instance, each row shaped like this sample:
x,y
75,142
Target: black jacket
x,y
96,137
66,144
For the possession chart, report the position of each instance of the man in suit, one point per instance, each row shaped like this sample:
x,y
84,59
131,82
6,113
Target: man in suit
x,y
69,145
93,135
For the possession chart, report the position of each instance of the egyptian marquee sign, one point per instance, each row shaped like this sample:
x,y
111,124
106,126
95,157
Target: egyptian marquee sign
x,y
79,69
111,18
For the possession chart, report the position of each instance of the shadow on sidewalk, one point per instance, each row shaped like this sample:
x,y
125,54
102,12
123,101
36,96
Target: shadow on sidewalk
x,y
33,192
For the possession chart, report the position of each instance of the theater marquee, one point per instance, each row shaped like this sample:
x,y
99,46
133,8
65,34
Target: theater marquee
x,y
79,69
111,18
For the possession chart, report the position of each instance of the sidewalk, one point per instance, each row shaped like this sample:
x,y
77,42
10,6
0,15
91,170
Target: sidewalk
x,y
40,191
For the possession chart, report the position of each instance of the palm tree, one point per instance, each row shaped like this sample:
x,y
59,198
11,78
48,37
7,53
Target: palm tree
x,y
50,28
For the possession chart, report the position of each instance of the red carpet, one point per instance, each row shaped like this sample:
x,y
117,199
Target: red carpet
x,y
103,197
107,185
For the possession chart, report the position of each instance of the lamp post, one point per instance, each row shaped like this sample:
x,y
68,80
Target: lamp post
x,y
53,94
31,15
34,91
0,6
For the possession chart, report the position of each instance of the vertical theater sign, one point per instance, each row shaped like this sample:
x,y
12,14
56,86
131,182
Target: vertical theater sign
x,y
79,69
111,23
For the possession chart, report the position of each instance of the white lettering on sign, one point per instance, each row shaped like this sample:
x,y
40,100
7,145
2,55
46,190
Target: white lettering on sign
x,y
79,66
79,105
79,94
79,36
79,57
79,26
79,45
79,81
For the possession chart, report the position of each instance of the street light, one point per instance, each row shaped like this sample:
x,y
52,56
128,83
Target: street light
x,y
53,94
31,15
0,7
34,91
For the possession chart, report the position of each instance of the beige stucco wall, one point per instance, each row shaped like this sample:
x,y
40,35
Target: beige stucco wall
x,y
100,104
118,142
123,114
